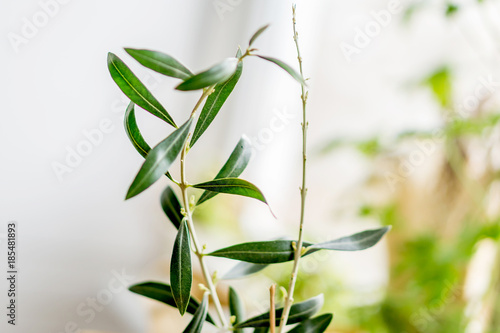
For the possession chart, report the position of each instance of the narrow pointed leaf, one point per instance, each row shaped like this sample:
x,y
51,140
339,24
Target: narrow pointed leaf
x,y
135,135
236,308
234,166
181,274
257,34
287,68
317,324
266,252
234,186
171,206
163,293
160,62
196,324
215,101
357,242
133,132
159,160
278,251
298,313
135,89
217,74
243,269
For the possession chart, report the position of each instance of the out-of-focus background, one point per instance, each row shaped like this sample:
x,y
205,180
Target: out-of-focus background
x,y
404,131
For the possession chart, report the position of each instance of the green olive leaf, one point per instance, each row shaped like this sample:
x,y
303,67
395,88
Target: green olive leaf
x,y
298,312
159,160
196,324
264,252
234,186
216,74
162,292
134,89
236,308
135,136
261,330
357,242
286,67
215,101
181,274
257,34
317,324
171,206
160,62
133,132
243,269
233,167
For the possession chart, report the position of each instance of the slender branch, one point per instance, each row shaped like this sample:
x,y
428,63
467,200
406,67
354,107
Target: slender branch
x,y
272,311
184,185
303,190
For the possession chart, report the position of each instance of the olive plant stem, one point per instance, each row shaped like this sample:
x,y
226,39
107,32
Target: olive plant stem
x,y
303,192
198,249
272,311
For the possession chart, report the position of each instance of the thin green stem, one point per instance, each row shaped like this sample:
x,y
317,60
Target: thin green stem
x,y
198,249
303,192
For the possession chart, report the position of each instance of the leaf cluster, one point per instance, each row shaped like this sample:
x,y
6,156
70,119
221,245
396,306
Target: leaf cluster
x,y
216,84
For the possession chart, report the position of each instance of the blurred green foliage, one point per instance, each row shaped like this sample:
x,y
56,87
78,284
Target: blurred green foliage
x,y
440,84
428,266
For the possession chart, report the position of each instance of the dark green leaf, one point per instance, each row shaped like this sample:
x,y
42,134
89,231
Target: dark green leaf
x,y
266,252
215,101
243,269
298,313
317,324
160,62
181,274
357,242
217,74
287,68
233,186
135,89
236,308
261,330
159,160
133,132
163,293
171,206
257,34
278,251
135,135
234,166
196,324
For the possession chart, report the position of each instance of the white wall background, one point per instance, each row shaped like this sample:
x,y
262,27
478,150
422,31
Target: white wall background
x,y
76,230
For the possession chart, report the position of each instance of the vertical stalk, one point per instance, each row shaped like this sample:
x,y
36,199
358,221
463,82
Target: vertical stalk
x,y
184,185
272,311
303,191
